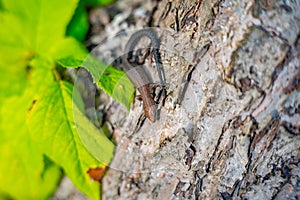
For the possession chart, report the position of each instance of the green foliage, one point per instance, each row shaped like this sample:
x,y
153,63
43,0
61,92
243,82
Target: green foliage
x,y
24,174
42,124
78,26
97,2
116,83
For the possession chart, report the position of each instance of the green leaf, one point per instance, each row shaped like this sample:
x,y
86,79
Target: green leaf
x,y
97,2
79,25
94,66
69,62
52,125
69,47
93,139
21,159
70,53
25,175
14,58
13,80
29,28
115,83
39,22
37,116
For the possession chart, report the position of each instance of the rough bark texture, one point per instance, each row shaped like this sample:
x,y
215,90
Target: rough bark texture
x,y
230,124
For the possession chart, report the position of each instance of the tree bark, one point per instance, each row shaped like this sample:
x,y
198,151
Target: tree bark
x,y
229,126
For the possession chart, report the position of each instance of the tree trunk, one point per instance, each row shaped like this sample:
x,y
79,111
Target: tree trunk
x,y
229,125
